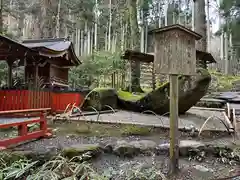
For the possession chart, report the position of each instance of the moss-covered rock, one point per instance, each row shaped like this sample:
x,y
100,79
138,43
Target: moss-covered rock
x,y
144,145
130,96
191,90
125,149
79,149
132,130
100,97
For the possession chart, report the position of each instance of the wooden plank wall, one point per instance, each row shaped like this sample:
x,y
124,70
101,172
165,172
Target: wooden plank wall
x,y
30,99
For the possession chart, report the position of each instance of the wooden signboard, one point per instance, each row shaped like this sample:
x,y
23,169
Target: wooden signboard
x,y
175,51
175,54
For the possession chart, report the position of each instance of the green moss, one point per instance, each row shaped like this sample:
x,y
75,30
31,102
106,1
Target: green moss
x,y
101,130
222,82
99,89
84,129
71,152
147,90
78,150
163,84
129,96
132,130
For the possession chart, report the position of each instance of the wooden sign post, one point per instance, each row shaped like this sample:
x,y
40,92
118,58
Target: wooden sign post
x,y
175,55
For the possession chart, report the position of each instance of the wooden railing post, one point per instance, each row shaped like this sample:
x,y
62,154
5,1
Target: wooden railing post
x,y
22,129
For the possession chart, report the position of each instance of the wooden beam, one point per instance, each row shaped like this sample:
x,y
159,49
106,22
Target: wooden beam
x,y
138,56
24,111
174,143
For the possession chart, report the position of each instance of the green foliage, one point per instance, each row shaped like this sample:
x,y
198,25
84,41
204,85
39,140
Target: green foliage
x,y
3,73
100,63
14,166
230,12
75,168
222,82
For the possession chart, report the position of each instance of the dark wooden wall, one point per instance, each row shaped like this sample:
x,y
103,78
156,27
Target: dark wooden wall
x,y
57,72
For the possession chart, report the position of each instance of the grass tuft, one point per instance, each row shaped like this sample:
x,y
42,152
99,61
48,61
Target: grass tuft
x,y
133,130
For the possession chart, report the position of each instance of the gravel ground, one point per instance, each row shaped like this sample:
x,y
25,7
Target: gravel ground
x,y
65,141
215,169
108,162
209,169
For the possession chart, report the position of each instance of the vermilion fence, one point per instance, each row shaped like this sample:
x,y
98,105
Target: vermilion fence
x,y
60,100
30,99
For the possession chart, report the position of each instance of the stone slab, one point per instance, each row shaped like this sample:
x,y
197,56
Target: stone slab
x,y
193,118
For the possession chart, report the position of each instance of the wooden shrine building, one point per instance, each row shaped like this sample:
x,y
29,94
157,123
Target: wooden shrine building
x,y
48,59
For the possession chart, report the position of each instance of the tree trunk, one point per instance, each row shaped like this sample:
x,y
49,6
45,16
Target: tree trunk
x,y
122,34
135,36
208,28
96,26
159,15
82,42
1,16
226,53
106,38
85,38
89,41
48,14
110,25
58,20
142,39
21,20
200,24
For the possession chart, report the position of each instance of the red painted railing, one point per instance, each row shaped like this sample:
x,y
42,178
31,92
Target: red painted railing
x,y
29,99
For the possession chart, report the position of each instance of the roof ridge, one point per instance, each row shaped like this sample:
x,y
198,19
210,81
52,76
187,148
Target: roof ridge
x,y
44,40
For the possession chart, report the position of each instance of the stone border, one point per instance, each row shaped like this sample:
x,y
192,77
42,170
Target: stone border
x,y
187,148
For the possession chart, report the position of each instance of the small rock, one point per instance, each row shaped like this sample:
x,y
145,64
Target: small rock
x,y
202,168
123,148
79,149
185,147
41,156
144,145
108,148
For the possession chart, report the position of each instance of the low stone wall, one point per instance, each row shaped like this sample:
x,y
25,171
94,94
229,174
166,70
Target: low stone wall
x,y
187,148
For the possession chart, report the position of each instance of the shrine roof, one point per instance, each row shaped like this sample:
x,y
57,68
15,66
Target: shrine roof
x,y
57,47
52,48
149,57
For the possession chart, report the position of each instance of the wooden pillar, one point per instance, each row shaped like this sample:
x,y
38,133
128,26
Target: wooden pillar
x,y
10,63
36,76
25,71
153,77
174,144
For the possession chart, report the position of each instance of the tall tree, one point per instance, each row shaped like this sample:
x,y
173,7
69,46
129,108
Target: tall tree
x,y
1,16
200,24
135,45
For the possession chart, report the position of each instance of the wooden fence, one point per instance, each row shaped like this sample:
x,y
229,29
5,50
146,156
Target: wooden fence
x,y
60,100
31,99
